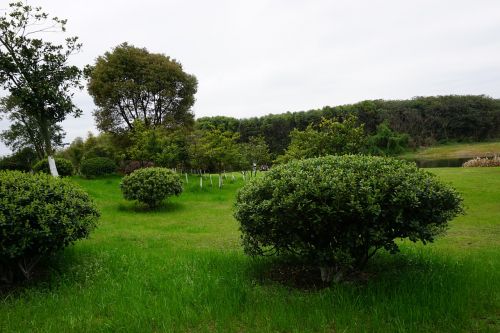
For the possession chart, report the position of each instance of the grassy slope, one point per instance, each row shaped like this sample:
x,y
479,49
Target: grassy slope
x,y
182,269
456,150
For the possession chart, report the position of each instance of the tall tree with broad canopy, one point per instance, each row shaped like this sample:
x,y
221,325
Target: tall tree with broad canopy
x,y
130,83
36,73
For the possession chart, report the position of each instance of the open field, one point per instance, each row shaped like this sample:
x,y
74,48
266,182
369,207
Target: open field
x,y
181,269
456,150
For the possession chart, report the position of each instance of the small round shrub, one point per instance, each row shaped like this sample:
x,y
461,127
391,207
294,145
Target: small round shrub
x,y
335,212
97,166
151,185
39,215
64,166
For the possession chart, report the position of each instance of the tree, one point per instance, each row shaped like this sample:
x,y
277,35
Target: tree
x,y
75,152
331,137
166,148
130,84
256,152
35,72
387,142
24,131
216,150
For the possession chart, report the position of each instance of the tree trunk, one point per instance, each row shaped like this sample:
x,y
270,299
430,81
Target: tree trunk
x,y
44,129
52,166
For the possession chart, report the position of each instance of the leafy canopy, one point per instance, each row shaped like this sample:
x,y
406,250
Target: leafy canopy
x,y
130,84
36,73
331,137
337,211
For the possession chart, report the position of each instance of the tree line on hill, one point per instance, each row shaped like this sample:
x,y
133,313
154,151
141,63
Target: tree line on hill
x,y
426,120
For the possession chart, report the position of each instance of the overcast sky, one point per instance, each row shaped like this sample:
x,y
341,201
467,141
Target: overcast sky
x,y
257,57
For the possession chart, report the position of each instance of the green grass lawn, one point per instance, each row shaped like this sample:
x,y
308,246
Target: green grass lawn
x,y
181,269
456,150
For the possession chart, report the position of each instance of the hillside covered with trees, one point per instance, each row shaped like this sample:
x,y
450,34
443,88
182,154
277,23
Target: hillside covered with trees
x,y
427,120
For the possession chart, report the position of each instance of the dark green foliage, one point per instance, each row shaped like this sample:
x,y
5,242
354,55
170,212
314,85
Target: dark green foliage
x,y
151,186
166,148
21,160
331,137
337,211
256,151
216,150
425,119
64,167
387,142
39,215
75,152
152,87
127,167
97,166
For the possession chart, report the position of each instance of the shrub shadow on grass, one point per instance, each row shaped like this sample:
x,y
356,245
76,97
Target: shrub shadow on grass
x,y
136,207
300,276
402,269
66,267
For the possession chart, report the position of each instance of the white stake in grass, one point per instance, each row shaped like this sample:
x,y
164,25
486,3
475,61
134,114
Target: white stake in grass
x,y
211,182
187,181
201,182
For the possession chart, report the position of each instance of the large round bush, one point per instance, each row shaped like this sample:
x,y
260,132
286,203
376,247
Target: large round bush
x,y
337,211
39,215
97,166
64,166
151,185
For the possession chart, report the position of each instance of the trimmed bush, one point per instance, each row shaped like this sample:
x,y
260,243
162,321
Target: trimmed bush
x,y
39,215
151,186
335,212
97,166
64,166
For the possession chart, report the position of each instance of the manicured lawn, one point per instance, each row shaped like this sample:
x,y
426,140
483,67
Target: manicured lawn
x,y
456,150
181,269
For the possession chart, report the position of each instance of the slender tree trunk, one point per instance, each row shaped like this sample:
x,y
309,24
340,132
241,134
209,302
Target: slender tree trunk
x,y
44,129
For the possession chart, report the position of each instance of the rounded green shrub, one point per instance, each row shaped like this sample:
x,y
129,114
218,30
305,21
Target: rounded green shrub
x,y
39,215
97,166
151,185
335,212
64,166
